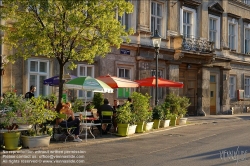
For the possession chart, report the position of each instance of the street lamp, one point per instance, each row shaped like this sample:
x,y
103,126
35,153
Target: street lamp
x,y
156,39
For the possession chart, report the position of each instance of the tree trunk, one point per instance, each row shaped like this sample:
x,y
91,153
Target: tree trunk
x,y
60,83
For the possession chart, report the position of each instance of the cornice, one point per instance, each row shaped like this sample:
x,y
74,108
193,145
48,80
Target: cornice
x,y
239,4
191,2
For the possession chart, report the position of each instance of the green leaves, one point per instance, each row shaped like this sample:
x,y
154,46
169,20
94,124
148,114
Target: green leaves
x,y
24,111
76,107
98,100
124,115
158,112
75,30
39,114
140,106
178,105
67,30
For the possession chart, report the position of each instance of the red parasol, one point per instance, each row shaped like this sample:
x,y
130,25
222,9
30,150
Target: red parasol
x,y
150,81
116,82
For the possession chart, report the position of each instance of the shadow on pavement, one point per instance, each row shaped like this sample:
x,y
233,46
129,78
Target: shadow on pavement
x,y
233,154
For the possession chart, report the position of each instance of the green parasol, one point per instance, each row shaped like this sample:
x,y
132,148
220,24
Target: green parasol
x,y
88,84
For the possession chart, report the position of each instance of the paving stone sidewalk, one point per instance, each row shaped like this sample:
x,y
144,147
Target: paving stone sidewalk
x,y
192,120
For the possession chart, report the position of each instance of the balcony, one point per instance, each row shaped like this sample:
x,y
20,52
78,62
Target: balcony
x,y
198,45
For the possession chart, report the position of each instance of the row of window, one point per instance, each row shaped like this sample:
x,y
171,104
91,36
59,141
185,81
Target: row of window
x,y
232,86
188,25
39,71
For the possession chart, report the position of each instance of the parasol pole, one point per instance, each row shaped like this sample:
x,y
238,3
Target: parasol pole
x,y
85,112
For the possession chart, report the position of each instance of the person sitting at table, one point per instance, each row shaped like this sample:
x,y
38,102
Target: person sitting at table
x,y
71,120
131,103
115,107
105,107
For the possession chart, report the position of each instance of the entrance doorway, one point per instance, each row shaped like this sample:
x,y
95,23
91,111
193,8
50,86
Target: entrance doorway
x,y
189,79
212,95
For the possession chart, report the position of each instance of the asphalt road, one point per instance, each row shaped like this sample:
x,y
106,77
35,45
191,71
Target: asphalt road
x,y
198,145
212,144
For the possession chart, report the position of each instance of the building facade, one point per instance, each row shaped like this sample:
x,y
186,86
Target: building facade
x,y
205,45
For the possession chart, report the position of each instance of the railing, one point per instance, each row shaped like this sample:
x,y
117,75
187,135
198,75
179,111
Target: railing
x,y
197,45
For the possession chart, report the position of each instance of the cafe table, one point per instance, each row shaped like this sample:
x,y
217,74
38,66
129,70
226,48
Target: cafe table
x,y
5,130
87,123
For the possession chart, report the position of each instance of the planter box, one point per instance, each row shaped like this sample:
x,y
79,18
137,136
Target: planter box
x,y
156,124
139,127
36,141
122,129
178,121
183,121
11,140
24,126
173,122
148,126
164,123
131,129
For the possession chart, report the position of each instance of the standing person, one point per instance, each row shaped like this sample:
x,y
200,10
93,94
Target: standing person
x,y
30,94
115,107
105,107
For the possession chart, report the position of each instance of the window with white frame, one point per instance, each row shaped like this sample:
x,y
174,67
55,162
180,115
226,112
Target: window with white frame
x,y
85,70
247,40
246,2
232,86
156,17
188,22
247,87
160,90
125,20
232,34
126,74
214,30
38,70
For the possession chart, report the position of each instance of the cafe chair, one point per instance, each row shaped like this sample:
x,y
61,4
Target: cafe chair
x,y
106,118
66,131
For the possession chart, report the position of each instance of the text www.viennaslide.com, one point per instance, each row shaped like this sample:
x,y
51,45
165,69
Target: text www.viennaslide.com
x,y
59,161
44,157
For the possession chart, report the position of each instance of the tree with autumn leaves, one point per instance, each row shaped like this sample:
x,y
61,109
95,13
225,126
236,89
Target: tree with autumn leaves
x,y
68,30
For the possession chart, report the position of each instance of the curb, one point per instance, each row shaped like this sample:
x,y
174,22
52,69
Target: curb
x,y
61,145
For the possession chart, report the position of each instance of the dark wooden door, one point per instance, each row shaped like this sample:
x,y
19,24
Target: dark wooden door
x,y
189,79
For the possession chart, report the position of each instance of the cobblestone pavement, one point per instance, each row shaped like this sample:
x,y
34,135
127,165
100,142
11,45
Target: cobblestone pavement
x,y
192,120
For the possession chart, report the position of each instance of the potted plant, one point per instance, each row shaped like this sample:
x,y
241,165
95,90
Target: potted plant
x,y
38,115
140,108
77,106
148,125
98,100
174,103
166,115
132,124
157,115
50,99
173,118
184,104
123,118
14,105
178,105
89,107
